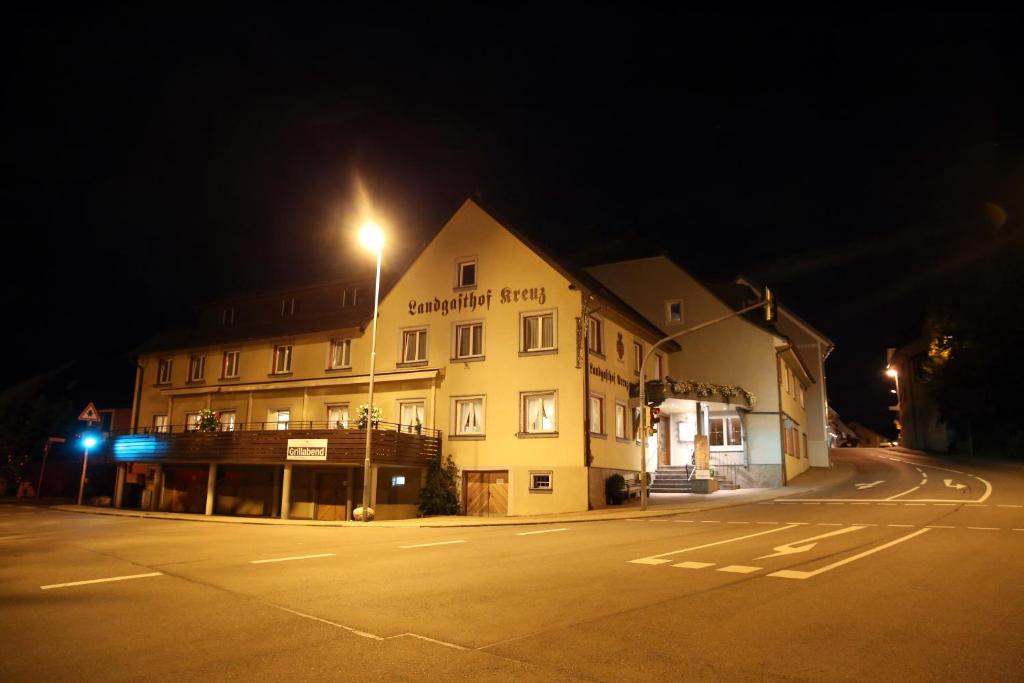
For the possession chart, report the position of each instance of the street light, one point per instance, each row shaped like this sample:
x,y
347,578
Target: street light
x,y
371,237
88,441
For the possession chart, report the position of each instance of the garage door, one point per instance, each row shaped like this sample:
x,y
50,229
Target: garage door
x,y
487,493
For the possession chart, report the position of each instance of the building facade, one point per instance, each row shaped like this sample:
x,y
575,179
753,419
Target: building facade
x,y
521,368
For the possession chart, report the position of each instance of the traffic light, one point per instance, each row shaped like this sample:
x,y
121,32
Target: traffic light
x,y
655,415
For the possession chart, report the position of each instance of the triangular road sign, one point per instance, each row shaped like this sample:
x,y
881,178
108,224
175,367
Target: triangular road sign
x,y
90,414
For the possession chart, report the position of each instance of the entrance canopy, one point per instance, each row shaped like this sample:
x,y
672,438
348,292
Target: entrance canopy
x,y
657,391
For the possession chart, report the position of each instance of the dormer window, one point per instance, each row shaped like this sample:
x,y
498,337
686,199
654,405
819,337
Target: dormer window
x,y
465,273
674,312
288,307
227,316
349,296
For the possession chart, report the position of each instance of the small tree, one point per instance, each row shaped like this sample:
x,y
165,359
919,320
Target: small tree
x,y
440,495
207,421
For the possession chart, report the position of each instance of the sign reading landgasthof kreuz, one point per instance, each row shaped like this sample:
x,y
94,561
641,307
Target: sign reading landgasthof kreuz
x,y
307,449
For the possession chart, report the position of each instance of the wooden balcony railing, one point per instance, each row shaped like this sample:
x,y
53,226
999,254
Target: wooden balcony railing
x,y
391,444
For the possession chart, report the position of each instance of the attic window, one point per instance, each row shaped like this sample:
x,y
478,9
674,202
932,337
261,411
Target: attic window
x,y
288,306
227,316
465,273
674,312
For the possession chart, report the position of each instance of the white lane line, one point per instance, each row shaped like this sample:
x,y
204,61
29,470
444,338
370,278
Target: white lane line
x,y
860,503
107,580
924,481
793,574
1010,506
658,559
542,531
709,521
903,494
908,526
289,559
835,503
889,504
939,526
767,522
738,569
636,520
429,545
976,505
694,565
798,523
807,504
1016,529
657,520
910,505
684,521
830,524
737,522
984,528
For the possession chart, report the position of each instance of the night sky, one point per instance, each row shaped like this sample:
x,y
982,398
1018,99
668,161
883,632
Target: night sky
x,y
153,161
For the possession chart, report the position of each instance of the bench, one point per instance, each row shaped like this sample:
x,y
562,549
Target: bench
x,y
633,486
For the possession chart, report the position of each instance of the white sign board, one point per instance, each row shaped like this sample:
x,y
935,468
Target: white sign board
x,y
307,449
702,474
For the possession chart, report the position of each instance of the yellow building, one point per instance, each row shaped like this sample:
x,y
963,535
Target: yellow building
x,y
487,350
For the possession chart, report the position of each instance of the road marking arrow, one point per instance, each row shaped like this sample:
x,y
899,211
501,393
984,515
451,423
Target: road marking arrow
x,y
869,486
792,548
955,485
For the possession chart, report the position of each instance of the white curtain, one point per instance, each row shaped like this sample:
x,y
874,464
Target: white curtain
x,y
470,417
540,413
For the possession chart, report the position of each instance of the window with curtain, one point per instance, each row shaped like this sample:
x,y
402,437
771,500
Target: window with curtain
x,y
282,359
411,413
620,421
281,418
716,431
341,353
469,340
596,414
163,374
337,416
414,346
226,418
539,413
469,416
595,336
538,332
197,368
230,366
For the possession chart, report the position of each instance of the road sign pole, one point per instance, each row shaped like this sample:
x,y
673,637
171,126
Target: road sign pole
x,y
81,483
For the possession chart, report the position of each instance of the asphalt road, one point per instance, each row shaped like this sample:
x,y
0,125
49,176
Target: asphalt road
x,y
911,570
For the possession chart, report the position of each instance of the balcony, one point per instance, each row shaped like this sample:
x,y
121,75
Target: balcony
x,y
265,443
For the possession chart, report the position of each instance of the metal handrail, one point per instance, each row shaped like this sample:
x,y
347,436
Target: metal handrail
x,y
291,425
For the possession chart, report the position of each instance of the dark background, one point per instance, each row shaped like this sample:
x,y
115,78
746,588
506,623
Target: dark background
x,y
153,161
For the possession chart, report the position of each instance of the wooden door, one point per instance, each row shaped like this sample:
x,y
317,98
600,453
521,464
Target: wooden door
x,y
331,496
486,493
664,440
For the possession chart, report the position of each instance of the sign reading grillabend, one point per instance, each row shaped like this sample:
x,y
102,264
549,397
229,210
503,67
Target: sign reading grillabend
x,y
307,449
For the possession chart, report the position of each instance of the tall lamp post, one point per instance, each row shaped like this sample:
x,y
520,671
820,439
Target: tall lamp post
x,y
372,237
769,313
88,441
891,372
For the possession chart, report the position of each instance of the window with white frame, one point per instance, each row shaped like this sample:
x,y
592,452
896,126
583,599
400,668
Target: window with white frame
x,y
227,316
538,413
414,346
541,481
411,415
280,419
469,340
469,415
191,422
596,414
638,356
337,416
282,359
595,335
226,418
657,367
621,421
725,431
340,355
465,273
196,368
288,306
674,312
163,371
229,366
538,332
160,424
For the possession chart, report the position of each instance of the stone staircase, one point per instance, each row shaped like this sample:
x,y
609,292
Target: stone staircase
x,y
676,479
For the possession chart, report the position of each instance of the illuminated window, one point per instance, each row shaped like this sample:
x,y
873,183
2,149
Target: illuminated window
x,y
411,415
163,371
398,480
280,419
538,413
466,273
538,332
227,316
282,359
596,414
160,424
469,416
541,481
469,340
725,431
288,307
191,422
229,367
595,336
337,416
341,354
196,368
226,419
621,421
414,346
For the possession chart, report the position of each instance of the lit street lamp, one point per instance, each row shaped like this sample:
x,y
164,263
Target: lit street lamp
x,y
88,441
371,237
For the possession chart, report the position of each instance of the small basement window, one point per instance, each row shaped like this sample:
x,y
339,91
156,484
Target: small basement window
x,y
540,482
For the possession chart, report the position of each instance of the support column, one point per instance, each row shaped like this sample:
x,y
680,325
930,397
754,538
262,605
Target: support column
x,y
119,484
275,496
158,488
373,486
286,491
211,488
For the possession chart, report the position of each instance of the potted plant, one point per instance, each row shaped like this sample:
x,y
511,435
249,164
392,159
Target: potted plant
x,y
365,415
615,489
417,426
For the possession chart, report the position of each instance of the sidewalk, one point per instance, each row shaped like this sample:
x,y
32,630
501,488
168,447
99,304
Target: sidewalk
x,y
659,505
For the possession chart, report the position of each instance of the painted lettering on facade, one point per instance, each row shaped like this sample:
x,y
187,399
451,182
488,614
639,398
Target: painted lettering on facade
x,y
609,376
471,301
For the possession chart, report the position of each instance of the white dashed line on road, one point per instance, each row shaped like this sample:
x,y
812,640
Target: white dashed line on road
x,y
738,569
907,526
429,545
984,528
289,559
1010,506
107,580
548,531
